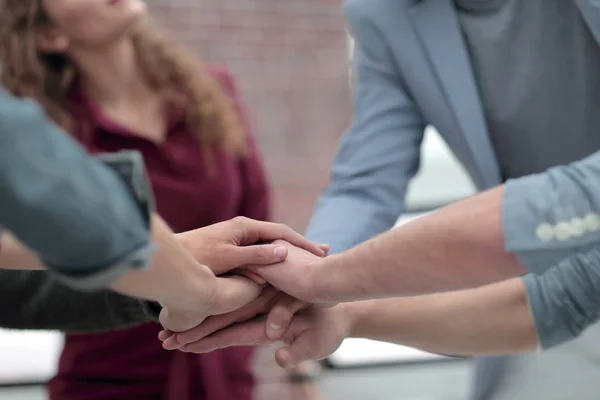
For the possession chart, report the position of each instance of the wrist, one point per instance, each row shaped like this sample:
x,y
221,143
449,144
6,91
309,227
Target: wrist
x,y
194,282
323,282
352,314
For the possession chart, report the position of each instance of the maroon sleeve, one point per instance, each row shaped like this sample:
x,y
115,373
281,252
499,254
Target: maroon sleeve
x,y
256,202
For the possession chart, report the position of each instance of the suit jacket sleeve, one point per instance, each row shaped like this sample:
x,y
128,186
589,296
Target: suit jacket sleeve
x,y
378,155
554,215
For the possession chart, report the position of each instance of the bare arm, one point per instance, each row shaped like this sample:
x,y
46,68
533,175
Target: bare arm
x,y
460,246
493,319
531,223
14,255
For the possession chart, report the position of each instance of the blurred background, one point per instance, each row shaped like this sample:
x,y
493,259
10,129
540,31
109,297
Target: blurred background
x,y
291,60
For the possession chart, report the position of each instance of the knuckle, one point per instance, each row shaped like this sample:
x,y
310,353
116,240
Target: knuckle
x,y
284,228
240,222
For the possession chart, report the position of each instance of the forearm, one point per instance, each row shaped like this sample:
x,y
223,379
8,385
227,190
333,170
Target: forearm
x,y
460,246
35,300
172,271
493,319
14,255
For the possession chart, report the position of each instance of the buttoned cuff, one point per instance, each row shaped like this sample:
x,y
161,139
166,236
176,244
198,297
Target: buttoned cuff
x,y
549,217
129,166
527,207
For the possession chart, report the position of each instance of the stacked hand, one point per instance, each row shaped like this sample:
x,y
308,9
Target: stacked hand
x,y
314,334
315,331
227,247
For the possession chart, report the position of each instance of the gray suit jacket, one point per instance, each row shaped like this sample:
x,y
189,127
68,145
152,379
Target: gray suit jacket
x,y
412,70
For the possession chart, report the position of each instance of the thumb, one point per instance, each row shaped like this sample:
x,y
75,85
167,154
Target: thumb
x,y
302,349
178,321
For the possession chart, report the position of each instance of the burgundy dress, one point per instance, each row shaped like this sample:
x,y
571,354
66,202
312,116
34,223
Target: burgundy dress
x,y
131,364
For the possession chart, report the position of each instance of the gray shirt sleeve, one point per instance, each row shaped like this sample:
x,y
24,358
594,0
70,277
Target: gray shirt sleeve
x,y
566,299
77,214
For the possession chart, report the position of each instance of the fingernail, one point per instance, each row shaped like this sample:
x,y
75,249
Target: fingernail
x,y
279,252
275,327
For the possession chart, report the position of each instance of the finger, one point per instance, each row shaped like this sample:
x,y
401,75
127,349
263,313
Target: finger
x,y
178,322
325,248
171,343
262,304
250,333
263,254
253,276
281,315
164,335
301,350
260,231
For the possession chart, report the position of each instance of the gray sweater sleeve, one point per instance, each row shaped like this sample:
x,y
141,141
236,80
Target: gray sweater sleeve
x,y
36,300
565,300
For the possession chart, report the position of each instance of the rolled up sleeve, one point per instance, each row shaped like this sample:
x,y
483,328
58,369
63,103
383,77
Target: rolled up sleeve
x,y
551,216
565,300
87,219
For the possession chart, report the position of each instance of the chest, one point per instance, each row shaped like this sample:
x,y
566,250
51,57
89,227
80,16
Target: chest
x,y
188,194
536,66
535,56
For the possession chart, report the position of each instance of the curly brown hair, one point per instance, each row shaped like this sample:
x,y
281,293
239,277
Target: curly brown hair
x,y
169,68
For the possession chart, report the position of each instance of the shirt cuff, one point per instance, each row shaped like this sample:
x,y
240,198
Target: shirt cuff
x,y
551,330
102,278
129,166
564,301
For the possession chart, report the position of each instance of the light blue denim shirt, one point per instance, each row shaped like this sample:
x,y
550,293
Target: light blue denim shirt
x,y
87,222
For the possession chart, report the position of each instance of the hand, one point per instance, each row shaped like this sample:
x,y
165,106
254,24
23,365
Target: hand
x,y
238,242
314,334
280,305
295,275
229,294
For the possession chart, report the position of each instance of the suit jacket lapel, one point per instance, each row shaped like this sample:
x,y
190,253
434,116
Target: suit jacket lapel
x,y
590,10
436,23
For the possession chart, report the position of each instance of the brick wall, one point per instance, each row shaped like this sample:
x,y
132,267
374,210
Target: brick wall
x,y
290,60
